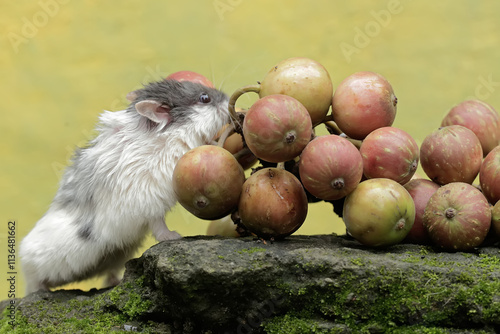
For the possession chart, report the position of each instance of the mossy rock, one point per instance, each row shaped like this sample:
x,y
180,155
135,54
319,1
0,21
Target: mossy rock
x,y
303,284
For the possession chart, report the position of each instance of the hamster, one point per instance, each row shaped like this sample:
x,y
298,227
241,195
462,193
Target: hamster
x,y
120,186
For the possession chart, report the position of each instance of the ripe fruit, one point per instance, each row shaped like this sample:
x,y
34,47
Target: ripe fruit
x,y
190,76
389,153
457,217
330,167
480,118
495,218
451,154
489,175
421,191
363,102
273,203
207,181
277,128
379,212
304,79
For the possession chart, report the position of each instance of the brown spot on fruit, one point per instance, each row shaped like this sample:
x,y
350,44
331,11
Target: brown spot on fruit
x,y
338,183
450,213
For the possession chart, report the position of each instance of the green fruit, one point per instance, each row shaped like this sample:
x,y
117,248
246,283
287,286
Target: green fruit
x,y
303,79
379,212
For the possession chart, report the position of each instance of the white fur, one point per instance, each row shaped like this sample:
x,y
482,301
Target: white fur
x,y
127,174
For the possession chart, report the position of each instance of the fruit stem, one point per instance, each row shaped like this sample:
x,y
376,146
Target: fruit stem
x,y
281,165
227,132
334,129
237,94
328,118
244,151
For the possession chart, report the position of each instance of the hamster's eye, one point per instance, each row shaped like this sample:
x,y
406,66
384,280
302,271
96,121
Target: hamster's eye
x,y
204,98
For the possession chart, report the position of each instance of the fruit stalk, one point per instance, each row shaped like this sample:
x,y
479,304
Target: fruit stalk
x,y
227,132
333,128
236,95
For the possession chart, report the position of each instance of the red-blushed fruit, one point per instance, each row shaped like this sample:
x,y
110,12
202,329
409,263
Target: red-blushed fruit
x,y
330,167
190,76
389,153
489,176
479,117
207,181
421,191
451,154
495,218
277,128
379,212
457,217
363,102
273,203
304,79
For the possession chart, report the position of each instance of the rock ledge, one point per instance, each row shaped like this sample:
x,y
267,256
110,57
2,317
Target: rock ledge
x,y
303,284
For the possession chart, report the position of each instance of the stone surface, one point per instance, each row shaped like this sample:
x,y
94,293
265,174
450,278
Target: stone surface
x,y
303,284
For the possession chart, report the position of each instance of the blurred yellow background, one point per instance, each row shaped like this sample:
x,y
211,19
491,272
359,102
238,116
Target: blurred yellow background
x,y
63,62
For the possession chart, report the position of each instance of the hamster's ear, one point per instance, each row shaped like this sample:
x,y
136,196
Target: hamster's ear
x,y
154,110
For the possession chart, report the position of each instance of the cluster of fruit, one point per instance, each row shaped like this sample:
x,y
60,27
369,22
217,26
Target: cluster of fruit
x,y
364,165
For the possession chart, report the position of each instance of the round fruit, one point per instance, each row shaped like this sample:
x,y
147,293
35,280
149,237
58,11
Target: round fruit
x,y
480,118
495,218
389,153
451,154
379,212
277,128
304,79
489,176
330,167
207,181
363,102
190,76
421,191
457,217
273,203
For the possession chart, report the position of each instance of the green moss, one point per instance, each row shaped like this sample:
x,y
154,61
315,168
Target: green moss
x,y
392,299
140,281
358,261
488,262
66,316
298,324
251,250
62,318
290,325
134,305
